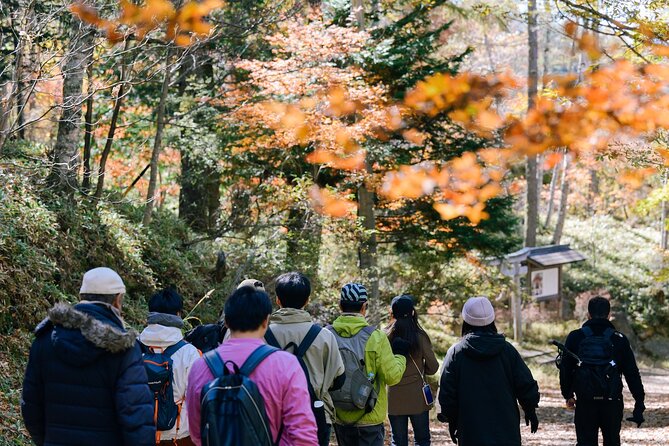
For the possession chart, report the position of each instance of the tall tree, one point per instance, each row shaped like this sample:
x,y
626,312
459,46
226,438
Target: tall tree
x,y
152,192
531,169
65,155
564,197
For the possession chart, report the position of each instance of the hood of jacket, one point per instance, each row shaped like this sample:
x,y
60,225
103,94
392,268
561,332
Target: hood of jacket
x,y
85,331
156,335
599,324
483,345
349,324
290,316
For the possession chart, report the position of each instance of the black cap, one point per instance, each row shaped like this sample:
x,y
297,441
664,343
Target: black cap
x,y
402,306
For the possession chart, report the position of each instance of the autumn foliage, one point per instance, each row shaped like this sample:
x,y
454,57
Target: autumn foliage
x,y
306,98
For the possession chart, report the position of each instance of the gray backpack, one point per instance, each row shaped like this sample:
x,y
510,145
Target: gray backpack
x,y
358,392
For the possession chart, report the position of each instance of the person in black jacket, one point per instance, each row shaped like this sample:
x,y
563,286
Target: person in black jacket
x,y
85,382
595,412
483,380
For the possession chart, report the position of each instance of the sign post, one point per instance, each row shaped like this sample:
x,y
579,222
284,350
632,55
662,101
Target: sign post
x,y
543,268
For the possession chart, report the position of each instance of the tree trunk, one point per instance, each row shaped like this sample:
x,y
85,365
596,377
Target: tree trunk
x,y
303,242
65,155
88,132
551,196
358,12
564,196
151,194
531,170
663,216
547,42
118,101
368,246
199,197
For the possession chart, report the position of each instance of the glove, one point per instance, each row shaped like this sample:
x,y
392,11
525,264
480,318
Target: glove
x,y
453,431
637,414
532,420
401,347
442,418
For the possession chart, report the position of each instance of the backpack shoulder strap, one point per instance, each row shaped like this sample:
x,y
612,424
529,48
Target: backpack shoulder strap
x,y
172,349
144,348
587,331
369,329
215,363
256,358
608,333
309,339
271,339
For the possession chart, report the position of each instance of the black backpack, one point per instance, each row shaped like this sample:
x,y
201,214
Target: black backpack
x,y
206,337
233,410
597,377
158,368
299,351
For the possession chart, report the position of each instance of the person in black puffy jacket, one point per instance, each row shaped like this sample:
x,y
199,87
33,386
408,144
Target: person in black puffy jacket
x,y
85,382
484,380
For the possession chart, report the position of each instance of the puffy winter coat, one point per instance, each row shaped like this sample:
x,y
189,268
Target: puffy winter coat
x,y
161,337
483,381
85,382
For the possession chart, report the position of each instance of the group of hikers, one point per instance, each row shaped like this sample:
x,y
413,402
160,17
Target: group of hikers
x,y
262,377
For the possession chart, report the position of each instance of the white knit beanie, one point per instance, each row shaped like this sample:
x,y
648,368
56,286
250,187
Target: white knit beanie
x,y
478,312
102,281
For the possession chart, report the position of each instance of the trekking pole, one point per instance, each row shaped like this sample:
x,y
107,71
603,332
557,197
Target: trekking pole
x,y
562,349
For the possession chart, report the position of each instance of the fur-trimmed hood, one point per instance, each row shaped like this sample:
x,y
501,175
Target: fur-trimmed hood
x,y
83,332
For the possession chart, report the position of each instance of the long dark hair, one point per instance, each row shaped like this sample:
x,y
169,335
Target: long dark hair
x,y
467,328
409,329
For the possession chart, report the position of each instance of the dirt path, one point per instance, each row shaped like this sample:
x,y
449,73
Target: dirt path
x,y
556,428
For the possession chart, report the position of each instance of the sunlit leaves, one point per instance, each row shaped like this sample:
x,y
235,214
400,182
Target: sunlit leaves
x,y
329,203
182,25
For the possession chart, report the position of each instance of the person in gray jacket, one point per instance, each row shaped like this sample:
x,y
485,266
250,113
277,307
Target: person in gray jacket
x,y
289,327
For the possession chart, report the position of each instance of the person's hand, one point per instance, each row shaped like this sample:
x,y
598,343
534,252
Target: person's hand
x,y
532,420
571,403
441,417
637,414
453,431
401,347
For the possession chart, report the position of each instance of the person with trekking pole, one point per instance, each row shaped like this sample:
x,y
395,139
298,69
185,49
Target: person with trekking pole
x,y
591,377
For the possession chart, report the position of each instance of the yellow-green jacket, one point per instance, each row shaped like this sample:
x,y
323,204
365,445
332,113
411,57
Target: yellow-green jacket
x,y
379,360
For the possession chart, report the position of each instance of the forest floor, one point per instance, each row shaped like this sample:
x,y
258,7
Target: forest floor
x,y
556,423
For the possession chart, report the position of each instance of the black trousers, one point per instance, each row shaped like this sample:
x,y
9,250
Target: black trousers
x,y
591,416
360,435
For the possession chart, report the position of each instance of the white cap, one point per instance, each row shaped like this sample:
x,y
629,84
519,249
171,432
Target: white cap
x,y
102,281
253,283
478,312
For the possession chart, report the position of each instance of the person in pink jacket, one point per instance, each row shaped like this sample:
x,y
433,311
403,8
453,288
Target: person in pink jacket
x,y
279,377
